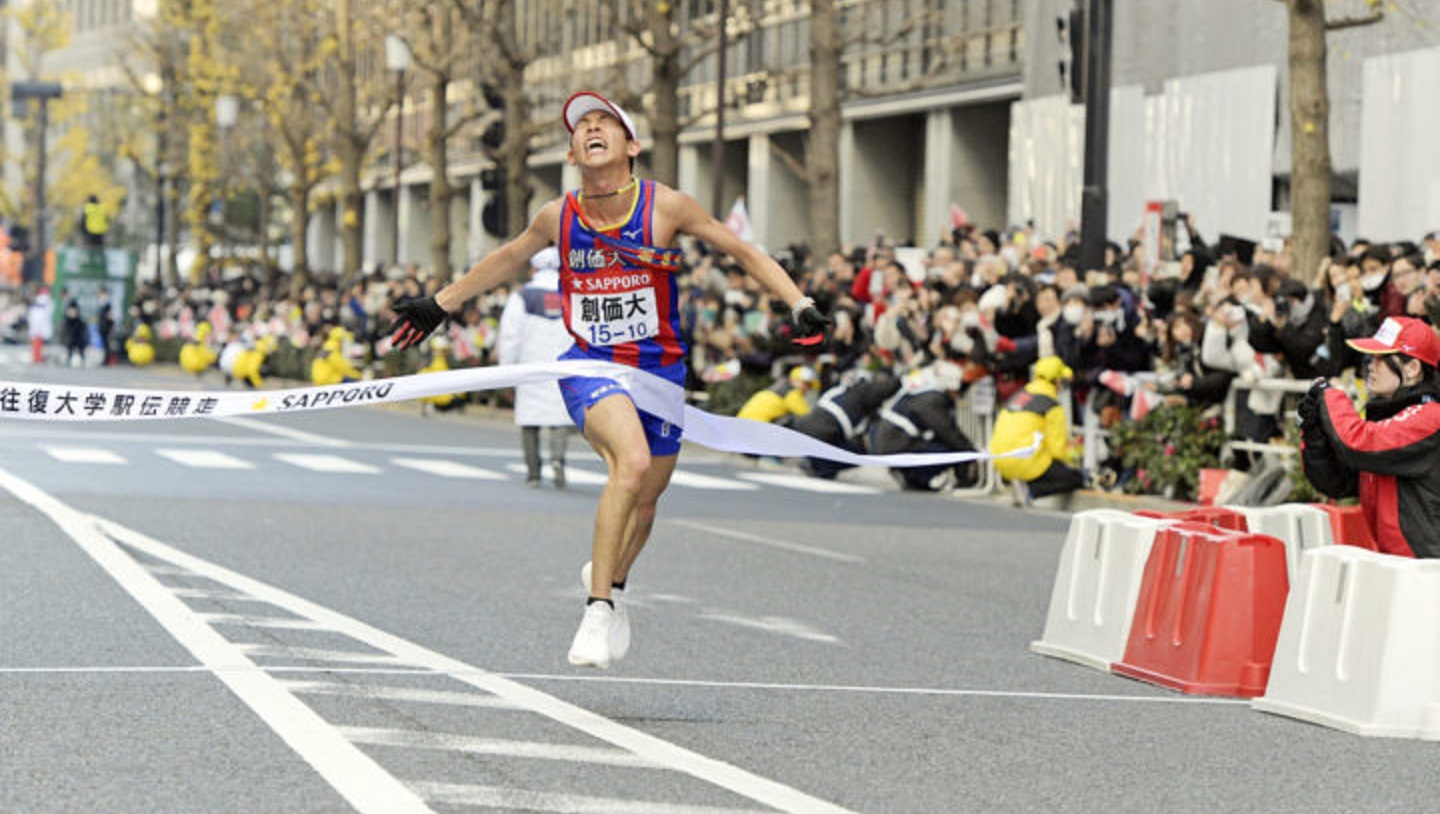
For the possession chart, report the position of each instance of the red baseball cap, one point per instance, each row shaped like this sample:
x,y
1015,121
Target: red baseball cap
x,y
1406,335
586,101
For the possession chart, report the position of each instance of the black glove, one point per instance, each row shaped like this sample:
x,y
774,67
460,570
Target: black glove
x,y
1308,408
416,319
810,325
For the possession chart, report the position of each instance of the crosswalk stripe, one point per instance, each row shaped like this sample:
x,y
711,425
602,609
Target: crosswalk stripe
x,y
204,459
447,469
495,797
408,694
83,455
807,484
327,463
469,744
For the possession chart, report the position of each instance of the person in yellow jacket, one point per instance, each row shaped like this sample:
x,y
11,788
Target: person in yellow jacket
x,y
440,364
1037,409
332,365
139,348
196,356
250,364
786,398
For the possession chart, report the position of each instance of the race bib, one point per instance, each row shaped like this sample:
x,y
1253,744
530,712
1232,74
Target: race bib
x,y
614,317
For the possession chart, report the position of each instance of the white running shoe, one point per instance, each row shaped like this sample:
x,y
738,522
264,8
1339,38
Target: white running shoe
x,y
620,631
591,647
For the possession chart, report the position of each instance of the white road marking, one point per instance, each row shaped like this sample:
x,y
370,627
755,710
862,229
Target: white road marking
x,y
471,745
769,542
808,484
268,622
210,593
204,459
353,774
573,476
409,694
271,651
83,455
659,752
447,469
284,432
501,799
697,481
770,624
327,463
1168,698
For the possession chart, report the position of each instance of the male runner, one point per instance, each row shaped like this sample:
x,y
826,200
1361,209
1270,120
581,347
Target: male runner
x,y
616,236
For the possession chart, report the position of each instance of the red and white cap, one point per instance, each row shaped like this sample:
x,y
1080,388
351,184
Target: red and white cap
x,y
1405,335
586,101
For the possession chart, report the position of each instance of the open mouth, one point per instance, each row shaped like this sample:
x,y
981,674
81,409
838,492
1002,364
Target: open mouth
x,y
595,145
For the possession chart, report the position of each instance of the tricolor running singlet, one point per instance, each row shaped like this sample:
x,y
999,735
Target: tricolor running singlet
x,y
618,291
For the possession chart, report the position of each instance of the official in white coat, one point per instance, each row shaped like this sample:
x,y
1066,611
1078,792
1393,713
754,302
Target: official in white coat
x,y
531,330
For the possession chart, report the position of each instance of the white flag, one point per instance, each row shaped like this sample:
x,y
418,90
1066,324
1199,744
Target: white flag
x,y
739,222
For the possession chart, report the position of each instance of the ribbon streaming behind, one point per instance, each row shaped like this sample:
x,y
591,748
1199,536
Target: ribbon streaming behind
x,y
68,403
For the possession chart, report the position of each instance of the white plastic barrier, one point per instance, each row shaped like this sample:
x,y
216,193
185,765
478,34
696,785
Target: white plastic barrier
x,y
1300,526
1096,586
1359,646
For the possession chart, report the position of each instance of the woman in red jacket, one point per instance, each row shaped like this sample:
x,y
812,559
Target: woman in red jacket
x,y
1390,458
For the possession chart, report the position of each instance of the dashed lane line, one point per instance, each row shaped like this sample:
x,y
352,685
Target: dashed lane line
x,y
448,469
204,459
332,464
83,455
770,542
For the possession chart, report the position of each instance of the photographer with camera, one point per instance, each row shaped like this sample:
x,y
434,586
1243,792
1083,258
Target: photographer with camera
x,y
1390,458
1291,324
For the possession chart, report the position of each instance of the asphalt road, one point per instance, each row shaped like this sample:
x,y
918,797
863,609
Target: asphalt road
x,y
367,610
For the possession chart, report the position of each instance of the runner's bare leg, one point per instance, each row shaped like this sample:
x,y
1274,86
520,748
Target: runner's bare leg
x,y
612,426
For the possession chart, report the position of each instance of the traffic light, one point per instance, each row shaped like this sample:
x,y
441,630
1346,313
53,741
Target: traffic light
x,y
1071,31
494,135
494,216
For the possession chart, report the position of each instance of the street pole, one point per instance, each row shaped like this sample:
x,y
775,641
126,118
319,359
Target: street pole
x,y
397,59
227,114
717,154
1094,196
42,92
399,154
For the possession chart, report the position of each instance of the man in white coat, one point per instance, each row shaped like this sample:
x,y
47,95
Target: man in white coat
x,y
531,330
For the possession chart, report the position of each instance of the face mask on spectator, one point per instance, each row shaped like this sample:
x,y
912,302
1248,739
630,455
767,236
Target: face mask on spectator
x,y
1342,292
1370,282
1073,313
970,319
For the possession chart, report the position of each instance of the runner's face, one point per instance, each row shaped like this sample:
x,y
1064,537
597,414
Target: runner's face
x,y
599,139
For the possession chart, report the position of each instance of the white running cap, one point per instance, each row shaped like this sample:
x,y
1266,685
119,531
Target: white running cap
x,y
586,101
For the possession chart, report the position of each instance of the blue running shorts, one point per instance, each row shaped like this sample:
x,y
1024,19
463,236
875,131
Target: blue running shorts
x,y
582,392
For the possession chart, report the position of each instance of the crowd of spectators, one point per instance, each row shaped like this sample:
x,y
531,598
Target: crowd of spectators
x,y
1137,338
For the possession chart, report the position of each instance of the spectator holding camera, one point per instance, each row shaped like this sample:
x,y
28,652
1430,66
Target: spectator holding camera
x,y
1291,326
1390,457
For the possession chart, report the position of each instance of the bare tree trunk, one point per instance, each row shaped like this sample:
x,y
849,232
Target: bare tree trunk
x,y
823,153
351,150
666,73
1310,172
441,192
299,224
514,154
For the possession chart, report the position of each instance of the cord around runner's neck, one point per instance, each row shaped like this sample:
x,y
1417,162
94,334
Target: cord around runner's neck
x,y
622,190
